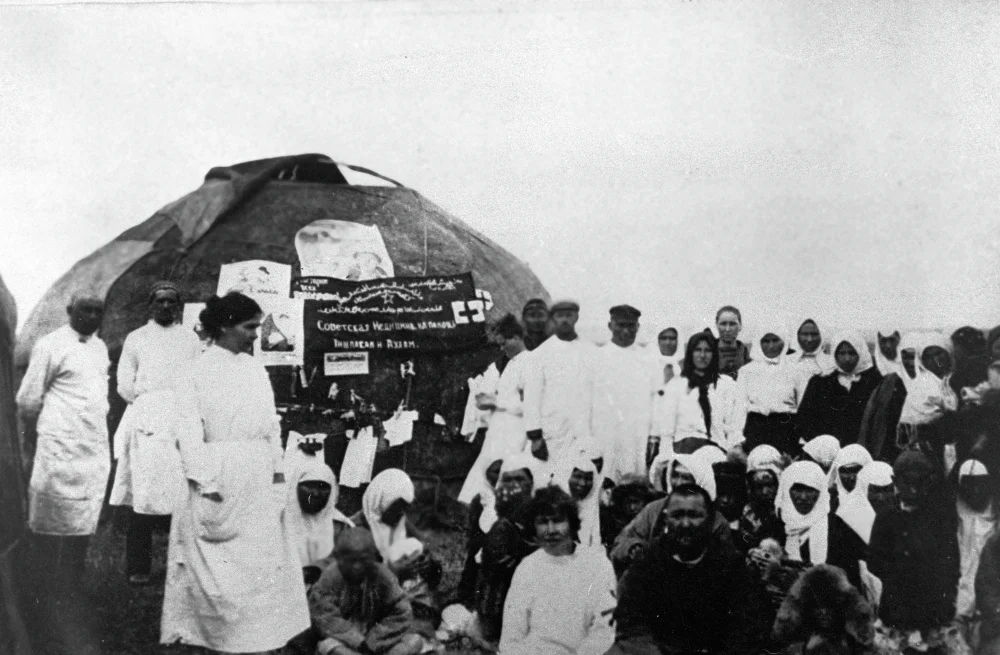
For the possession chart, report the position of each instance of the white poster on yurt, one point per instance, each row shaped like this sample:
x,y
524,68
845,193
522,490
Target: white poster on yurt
x,y
256,278
342,250
281,339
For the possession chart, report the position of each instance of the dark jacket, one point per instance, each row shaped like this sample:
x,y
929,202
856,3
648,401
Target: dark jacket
x,y
751,531
665,606
374,614
844,549
828,408
988,589
506,544
915,554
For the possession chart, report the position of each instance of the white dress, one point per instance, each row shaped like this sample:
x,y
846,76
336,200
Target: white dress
x,y
679,416
623,410
559,397
149,475
560,605
506,434
66,386
234,582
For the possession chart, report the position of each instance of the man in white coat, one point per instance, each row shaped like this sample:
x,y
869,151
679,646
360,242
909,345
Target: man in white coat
x,y
626,387
149,477
559,394
63,407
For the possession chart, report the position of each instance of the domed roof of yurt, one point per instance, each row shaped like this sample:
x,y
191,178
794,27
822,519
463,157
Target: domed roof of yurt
x,y
259,210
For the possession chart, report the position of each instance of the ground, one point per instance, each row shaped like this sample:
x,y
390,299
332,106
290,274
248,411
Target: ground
x,y
127,619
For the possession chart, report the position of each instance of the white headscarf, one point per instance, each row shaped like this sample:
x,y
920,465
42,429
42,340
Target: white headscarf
x,y
864,357
927,396
823,450
766,458
779,330
676,360
697,466
800,528
850,455
858,512
823,359
911,341
385,489
885,365
313,532
589,507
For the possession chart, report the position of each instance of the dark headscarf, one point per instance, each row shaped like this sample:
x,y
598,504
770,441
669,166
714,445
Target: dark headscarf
x,y
710,377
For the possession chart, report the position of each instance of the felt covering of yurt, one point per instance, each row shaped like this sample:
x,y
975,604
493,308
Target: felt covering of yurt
x,y
253,211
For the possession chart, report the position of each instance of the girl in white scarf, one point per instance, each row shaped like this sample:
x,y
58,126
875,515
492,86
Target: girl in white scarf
x,y
769,390
669,364
848,464
864,358
314,530
883,363
693,468
858,511
823,450
811,527
589,505
384,505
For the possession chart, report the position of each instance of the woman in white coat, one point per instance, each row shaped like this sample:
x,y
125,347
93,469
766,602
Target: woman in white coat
x,y
234,580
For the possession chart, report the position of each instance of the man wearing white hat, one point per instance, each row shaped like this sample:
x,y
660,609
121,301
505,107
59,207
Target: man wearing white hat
x,y
626,387
559,392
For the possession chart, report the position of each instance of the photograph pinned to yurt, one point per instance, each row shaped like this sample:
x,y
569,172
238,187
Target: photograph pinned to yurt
x,y
375,302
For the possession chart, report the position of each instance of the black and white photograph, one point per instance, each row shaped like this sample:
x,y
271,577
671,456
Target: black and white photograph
x,y
500,327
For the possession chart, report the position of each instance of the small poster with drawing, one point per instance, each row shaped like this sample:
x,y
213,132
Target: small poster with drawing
x,y
342,250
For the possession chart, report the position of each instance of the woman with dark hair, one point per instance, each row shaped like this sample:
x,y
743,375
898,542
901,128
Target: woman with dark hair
x,y
563,594
234,580
733,353
835,403
701,406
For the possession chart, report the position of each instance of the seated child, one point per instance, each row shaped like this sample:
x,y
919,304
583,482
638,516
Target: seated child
x,y
357,606
628,498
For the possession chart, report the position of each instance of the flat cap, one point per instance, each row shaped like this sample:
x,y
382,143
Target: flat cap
x,y
625,311
564,306
534,303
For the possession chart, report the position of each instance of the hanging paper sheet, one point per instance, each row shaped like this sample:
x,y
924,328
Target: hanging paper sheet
x,y
430,314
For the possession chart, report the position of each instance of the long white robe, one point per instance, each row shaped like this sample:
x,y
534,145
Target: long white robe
x,y
560,605
973,530
626,385
234,581
678,415
559,397
149,475
505,434
66,386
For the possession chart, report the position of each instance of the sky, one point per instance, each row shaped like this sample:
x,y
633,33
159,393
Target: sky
x,y
835,159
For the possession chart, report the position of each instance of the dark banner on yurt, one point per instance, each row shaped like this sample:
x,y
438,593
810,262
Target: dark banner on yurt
x,y
426,314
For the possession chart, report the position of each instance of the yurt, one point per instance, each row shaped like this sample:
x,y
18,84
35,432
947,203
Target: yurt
x,y
378,298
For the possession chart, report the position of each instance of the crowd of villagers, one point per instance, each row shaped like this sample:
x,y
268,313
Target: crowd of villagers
x,y
796,494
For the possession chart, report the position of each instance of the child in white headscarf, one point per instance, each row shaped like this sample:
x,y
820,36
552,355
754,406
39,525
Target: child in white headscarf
x,y
844,473
812,533
823,450
976,521
583,484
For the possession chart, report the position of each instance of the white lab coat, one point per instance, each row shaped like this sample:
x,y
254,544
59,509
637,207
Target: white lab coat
x,y
559,394
505,434
149,475
234,579
66,386
623,410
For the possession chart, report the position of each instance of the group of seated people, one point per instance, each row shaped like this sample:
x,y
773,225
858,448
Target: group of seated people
x,y
714,552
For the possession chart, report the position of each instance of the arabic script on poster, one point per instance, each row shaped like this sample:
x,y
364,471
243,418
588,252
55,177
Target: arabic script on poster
x,y
437,313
